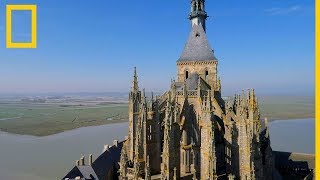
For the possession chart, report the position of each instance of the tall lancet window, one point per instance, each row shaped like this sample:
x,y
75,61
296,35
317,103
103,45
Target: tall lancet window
x,y
207,75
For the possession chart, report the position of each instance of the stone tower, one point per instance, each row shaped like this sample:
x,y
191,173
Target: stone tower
x,y
198,56
190,131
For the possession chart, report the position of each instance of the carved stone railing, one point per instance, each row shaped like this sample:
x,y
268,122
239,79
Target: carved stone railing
x,y
179,93
192,93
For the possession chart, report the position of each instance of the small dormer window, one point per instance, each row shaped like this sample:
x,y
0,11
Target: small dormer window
x,y
197,34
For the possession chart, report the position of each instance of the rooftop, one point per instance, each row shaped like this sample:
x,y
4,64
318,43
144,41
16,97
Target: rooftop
x,y
197,47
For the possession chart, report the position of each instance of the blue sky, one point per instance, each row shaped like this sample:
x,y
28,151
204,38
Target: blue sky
x,y
92,46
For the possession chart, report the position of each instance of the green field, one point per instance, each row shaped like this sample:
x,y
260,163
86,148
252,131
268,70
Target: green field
x,y
287,107
51,118
42,120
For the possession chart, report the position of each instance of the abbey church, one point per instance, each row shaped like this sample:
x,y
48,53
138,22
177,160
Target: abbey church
x,y
191,132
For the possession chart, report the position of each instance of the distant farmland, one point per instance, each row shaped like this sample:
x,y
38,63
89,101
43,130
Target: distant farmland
x,y
48,119
287,107
42,119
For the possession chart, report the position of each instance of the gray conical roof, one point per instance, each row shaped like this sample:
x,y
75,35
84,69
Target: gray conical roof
x,y
197,47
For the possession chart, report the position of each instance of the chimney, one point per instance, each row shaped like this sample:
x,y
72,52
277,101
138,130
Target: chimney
x,y
82,163
106,148
265,122
78,163
115,143
90,160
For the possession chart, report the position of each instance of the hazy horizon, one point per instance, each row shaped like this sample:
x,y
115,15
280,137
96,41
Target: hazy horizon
x,y
148,93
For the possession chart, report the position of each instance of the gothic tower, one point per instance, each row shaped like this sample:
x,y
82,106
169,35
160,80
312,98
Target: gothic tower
x,y
200,99
198,56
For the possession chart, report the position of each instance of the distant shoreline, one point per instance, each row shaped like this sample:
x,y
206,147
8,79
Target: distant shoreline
x,y
59,133
118,122
61,114
290,119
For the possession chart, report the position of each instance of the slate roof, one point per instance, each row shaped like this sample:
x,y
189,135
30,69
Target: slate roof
x,y
192,83
197,47
291,159
107,161
85,172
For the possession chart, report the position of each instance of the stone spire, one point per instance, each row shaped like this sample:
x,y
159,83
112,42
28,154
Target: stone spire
x,y
197,47
135,87
198,14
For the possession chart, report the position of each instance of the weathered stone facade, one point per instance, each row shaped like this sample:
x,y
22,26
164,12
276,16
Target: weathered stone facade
x,y
191,132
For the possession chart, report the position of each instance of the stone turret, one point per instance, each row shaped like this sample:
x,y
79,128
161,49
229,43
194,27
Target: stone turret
x,y
133,112
198,14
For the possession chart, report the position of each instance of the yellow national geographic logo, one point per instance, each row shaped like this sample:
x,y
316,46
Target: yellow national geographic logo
x,y
33,9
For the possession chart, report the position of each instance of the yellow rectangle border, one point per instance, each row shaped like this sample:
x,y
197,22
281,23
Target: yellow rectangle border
x,y
33,9
317,89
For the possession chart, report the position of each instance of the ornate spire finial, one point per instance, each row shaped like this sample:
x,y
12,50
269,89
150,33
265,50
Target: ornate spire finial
x,y
135,87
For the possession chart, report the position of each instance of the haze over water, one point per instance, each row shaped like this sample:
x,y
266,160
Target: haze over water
x,y
51,157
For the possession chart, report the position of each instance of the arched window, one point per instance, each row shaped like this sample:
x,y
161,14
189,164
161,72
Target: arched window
x,y
187,74
206,74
